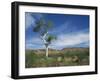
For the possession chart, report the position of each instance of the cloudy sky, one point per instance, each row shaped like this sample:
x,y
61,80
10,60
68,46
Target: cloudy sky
x,y
71,30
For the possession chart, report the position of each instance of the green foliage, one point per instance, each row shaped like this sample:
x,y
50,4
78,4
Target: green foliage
x,y
30,59
49,24
42,26
63,58
50,38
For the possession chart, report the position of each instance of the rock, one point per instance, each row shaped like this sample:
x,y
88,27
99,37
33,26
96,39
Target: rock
x,y
75,59
68,59
59,59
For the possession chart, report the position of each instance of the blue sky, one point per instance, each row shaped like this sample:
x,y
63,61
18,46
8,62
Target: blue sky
x,y
71,30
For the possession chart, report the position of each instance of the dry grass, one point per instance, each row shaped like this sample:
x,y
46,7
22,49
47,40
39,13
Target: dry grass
x,y
64,57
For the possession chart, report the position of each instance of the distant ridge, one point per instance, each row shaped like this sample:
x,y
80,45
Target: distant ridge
x,y
71,48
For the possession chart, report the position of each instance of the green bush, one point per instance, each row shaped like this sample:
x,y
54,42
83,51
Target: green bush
x,y
66,58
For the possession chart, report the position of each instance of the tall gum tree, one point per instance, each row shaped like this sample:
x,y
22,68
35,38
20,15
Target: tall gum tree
x,y
42,27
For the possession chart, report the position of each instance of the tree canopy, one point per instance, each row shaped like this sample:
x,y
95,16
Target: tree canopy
x,y
42,27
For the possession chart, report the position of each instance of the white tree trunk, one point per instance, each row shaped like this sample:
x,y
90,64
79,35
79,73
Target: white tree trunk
x,y
47,51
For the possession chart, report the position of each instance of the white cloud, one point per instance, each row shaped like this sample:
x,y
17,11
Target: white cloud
x,y
33,46
64,40
29,20
34,42
70,40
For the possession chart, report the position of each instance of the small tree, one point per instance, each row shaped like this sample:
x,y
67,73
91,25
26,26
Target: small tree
x,y
42,28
